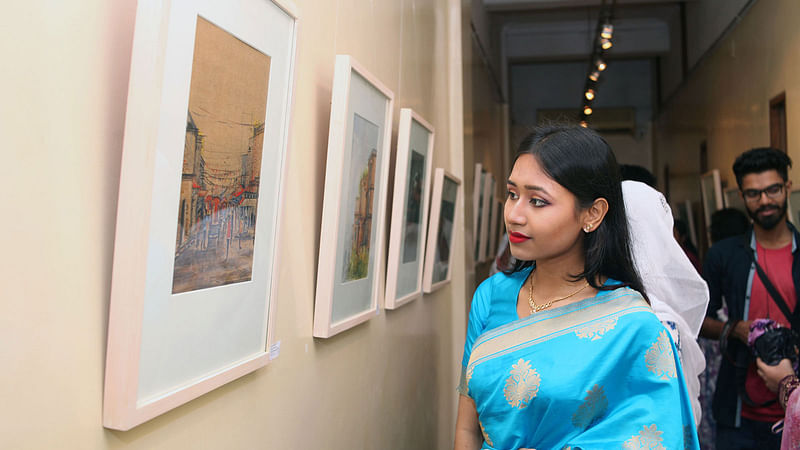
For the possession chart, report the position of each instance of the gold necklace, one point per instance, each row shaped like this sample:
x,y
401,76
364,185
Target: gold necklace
x,y
536,308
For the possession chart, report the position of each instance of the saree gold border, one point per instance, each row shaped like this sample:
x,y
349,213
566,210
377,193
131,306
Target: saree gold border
x,y
529,331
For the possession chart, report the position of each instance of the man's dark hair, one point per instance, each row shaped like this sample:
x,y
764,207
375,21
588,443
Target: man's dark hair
x,y
759,160
637,173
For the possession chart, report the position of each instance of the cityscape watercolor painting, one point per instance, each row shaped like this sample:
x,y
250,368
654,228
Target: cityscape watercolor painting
x,y
222,158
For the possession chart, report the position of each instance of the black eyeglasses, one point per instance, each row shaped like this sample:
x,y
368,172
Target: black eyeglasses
x,y
772,191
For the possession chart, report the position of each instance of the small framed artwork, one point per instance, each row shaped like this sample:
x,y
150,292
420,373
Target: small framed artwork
x,y
711,192
794,207
438,253
485,219
493,226
477,209
733,199
409,209
500,230
350,274
200,200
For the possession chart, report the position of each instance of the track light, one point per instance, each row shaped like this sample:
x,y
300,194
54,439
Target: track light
x,y
601,65
584,124
587,110
608,31
589,94
594,76
606,44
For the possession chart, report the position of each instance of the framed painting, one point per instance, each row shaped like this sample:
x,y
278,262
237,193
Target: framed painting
x,y
711,192
194,270
487,200
733,199
500,227
350,275
494,214
794,207
477,208
409,209
438,254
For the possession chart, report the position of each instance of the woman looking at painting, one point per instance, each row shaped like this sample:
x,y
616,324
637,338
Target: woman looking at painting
x,y
564,351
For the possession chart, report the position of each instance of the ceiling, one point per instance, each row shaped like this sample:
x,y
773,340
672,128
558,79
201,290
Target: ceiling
x,y
658,39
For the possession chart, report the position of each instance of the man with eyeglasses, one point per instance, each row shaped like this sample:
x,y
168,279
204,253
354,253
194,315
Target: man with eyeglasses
x,y
743,406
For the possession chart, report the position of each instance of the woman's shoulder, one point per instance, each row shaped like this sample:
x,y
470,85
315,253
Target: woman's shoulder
x,y
501,281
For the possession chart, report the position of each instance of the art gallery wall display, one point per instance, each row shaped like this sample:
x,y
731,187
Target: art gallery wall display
x,y
477,207
711,193
409,209
794,207
487,205
350,275
200,201
438,253
733,199
499,226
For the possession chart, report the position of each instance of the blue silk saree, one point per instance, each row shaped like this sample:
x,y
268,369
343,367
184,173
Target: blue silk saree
x,y
601,373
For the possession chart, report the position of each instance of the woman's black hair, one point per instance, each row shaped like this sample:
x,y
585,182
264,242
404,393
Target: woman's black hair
x,y
581,161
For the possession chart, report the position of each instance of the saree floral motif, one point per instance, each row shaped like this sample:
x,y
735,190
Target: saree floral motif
x,y
660,358
649,438
522,385
593,408
596,330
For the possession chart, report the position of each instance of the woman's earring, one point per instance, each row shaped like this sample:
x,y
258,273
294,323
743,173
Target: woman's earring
x,y
587,228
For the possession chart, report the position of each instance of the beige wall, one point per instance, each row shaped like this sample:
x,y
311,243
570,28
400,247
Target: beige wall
x,y
726,99
389,383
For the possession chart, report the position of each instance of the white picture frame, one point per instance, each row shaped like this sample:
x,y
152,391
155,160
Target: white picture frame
x,y
733,199
477,208
711,194
793,205
442,228
488,205
350,274
175,334
409,223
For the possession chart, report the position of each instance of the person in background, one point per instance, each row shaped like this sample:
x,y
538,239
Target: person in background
x,y
677,293
782,380
744,408
725,223
681,232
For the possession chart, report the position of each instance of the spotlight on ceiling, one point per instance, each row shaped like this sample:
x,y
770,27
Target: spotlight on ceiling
x,y
601,65
595,75
608,31
589,94
587,110
584,124
606,44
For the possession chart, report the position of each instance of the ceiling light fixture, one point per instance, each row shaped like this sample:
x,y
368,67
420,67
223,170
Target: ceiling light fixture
x,y
601,65
587,110
589,94
606,44
608,31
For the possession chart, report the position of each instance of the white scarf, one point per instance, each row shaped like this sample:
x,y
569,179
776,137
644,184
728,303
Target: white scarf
x,y
676,291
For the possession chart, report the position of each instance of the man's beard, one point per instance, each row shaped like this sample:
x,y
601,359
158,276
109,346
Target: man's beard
x,y
772,221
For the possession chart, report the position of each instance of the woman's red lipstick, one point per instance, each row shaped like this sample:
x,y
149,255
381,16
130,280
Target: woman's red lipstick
x,y
517,238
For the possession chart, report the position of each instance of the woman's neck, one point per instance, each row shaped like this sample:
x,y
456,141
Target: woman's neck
x,y
553,276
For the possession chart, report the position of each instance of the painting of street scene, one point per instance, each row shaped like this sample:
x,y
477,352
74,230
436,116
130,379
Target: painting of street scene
x,y
359,198
413,207
444,236
221,161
